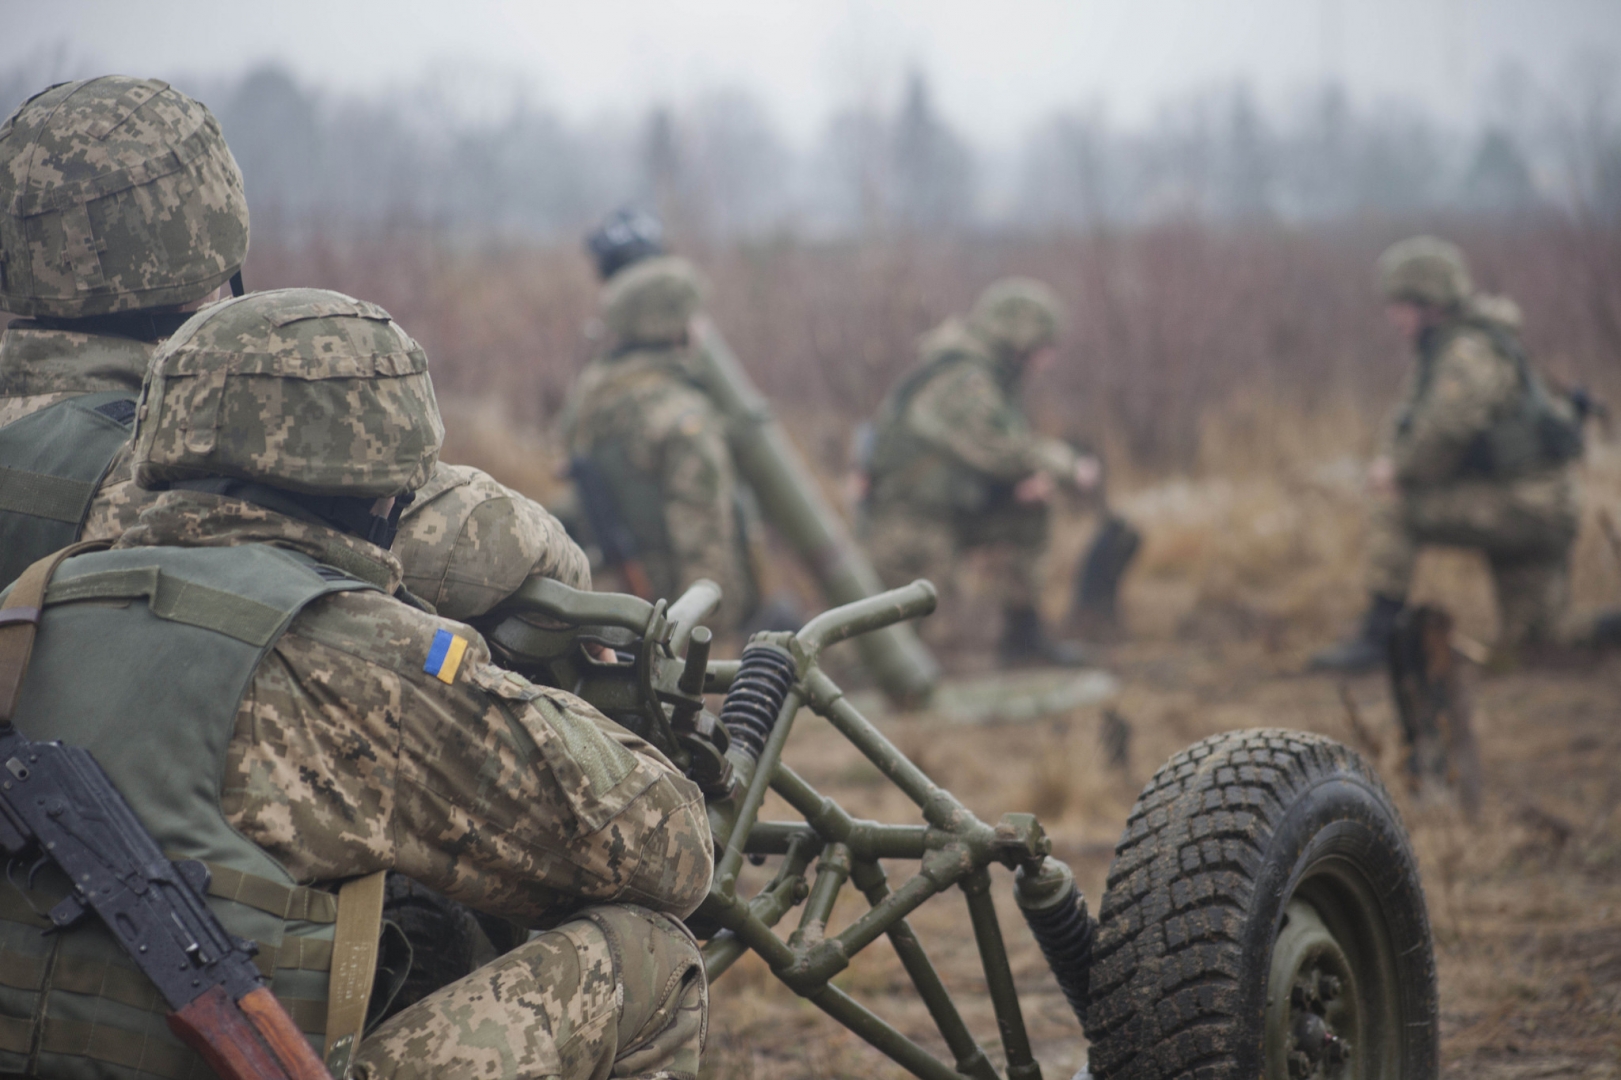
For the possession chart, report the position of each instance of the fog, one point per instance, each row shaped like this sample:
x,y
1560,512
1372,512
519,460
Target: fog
x,y
746,119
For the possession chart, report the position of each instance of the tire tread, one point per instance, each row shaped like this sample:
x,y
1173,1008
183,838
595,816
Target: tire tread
x,y
1165,990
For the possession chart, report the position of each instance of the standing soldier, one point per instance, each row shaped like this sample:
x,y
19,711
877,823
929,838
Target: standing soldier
x,y
955,465
298,728
1480,454
650,450
121,210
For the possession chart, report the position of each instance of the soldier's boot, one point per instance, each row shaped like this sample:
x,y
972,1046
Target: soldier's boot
x,y
1025,641
1367,648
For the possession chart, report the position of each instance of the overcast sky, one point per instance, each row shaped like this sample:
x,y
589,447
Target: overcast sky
x,y
997,65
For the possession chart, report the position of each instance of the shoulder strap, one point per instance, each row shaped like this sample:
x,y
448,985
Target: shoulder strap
x,y
921,376
19,620
354,967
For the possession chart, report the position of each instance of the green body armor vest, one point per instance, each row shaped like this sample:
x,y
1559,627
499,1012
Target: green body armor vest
x,y
51,464
909,470
143,656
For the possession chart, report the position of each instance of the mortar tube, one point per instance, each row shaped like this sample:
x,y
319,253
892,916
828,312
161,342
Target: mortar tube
x,y
791,499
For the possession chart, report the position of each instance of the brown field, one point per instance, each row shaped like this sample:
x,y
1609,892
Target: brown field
x,y
1235,381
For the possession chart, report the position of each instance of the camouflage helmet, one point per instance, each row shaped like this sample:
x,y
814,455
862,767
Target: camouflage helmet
x,y
302,389
1425,270
1016,316
116,194
651,302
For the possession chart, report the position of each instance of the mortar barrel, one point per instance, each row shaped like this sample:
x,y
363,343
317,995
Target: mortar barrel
x,y
793,502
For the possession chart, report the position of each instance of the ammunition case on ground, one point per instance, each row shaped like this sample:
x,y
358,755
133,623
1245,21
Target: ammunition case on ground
x,y
793,502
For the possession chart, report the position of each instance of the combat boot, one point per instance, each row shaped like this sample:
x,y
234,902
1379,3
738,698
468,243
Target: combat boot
x,y
1025,642
1368,649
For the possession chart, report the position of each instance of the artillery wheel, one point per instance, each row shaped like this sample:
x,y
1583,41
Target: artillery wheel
x,y
1263,917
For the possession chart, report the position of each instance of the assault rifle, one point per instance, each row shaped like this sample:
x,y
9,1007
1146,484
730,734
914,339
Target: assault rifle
x,y
59,807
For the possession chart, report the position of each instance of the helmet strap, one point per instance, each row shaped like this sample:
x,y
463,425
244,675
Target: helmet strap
x,y
236,284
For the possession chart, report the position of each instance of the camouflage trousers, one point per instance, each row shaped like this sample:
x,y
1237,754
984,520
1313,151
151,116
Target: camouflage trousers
x,y
905,546
618,991
1524,528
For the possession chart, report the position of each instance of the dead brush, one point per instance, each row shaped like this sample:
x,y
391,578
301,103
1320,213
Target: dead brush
x,y
1074,775
479,433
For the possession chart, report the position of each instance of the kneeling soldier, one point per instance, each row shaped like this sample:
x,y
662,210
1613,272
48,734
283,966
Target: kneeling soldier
x,y
1480,454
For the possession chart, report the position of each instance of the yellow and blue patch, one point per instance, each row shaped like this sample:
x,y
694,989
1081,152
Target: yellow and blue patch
x,y
445,656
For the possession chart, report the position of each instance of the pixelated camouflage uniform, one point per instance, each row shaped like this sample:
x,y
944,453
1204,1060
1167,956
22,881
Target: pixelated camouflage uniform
x,y
1525,523
349,756
641,414
467,542
117,196
1463,398
951,442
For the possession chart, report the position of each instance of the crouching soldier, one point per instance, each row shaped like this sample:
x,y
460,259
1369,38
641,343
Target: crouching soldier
x,y
239,667
956,467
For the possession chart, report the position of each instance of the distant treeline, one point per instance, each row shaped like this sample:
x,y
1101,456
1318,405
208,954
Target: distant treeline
x,y
719,167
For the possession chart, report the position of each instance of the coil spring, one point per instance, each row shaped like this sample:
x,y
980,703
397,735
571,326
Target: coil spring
x,y
752,704
1065,932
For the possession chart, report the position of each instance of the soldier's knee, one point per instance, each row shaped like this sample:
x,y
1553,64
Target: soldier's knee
x,y
665,1016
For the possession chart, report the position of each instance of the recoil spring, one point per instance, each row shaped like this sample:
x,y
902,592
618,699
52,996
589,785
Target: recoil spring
x,y
756,696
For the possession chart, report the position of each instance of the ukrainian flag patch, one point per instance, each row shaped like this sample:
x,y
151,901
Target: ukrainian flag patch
x,y
445,656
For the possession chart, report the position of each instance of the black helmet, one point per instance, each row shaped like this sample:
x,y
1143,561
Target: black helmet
x,y
625,236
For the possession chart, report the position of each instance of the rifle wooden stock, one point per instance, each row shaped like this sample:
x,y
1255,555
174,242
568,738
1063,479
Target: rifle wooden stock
x,y
250,1039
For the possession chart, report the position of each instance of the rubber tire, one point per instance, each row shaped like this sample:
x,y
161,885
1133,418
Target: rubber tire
x,y
1213,850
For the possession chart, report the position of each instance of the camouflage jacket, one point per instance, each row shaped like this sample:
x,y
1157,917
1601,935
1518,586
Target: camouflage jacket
x,y
40,367
952,436
348,757
659,440
467,542
1465,390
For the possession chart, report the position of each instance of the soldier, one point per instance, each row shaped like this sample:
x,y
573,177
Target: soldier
x,y
955,465
121,210
1479,454
641,428
297,727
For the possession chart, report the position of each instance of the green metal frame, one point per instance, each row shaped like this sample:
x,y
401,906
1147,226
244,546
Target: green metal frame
x,y
660,695
953,848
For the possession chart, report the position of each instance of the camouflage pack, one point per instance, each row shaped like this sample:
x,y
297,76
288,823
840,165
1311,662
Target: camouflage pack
x,y
116,194
303,389
467,542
